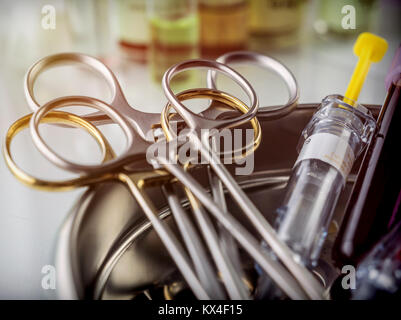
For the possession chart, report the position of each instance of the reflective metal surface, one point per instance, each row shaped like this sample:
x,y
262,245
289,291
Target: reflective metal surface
x,y
107,217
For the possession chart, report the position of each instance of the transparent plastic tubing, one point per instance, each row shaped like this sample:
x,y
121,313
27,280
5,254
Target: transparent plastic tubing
x,y
329,145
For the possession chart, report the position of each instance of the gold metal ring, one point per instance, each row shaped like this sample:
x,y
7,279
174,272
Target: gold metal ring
x,y
53,117
222,97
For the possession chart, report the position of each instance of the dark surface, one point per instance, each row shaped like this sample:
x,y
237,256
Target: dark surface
x,y
376,189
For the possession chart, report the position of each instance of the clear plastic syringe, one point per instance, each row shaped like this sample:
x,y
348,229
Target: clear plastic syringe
x,y
333,139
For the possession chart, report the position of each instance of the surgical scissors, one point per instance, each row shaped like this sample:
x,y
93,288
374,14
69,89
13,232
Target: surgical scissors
x,y
142,126
107,110
134,179
120,103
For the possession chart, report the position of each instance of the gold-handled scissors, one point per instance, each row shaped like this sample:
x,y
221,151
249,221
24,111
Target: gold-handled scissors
x,y
121,168
131,122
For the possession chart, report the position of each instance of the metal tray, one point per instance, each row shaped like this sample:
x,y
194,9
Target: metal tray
x,y
107,215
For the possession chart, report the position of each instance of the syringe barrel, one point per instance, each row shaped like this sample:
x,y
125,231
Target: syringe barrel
x,y
335,136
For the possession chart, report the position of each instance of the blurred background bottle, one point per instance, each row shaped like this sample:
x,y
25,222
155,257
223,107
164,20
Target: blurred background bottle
x,y
275,23
133,29
174,35
333,14
223,26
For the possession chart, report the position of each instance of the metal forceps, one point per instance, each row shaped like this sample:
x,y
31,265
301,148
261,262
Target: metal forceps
x,y
312,287
232,277
268,112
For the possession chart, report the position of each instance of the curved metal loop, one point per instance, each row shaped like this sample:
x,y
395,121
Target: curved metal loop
x,y
64,59
224,98
142,121
268,63
53,117
59,161
118,99
196,121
